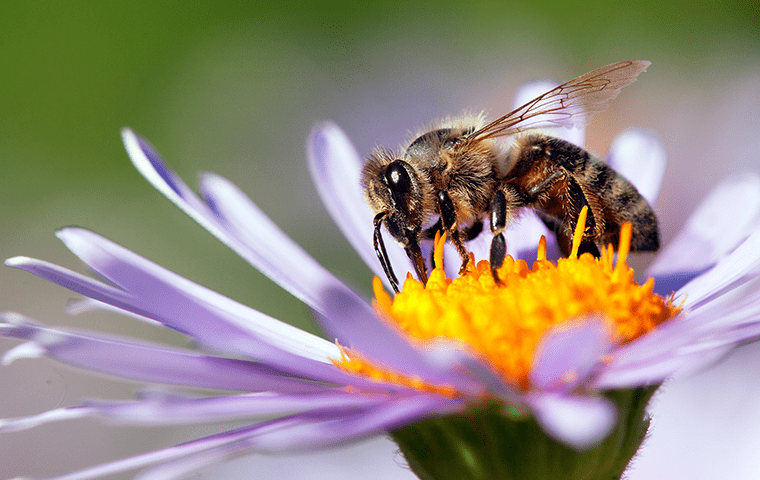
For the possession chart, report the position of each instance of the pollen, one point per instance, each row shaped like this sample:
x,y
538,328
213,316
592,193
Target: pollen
x,y
504,322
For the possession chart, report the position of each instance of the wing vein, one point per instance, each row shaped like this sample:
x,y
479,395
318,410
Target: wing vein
x,y
570,104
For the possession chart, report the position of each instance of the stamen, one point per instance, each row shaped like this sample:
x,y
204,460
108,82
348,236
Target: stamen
x,y
439,242
578,234
541,254
625,246
505,322
384,301
353,362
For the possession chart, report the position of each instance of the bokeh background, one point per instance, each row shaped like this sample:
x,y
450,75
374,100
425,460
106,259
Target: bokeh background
x,y
235,87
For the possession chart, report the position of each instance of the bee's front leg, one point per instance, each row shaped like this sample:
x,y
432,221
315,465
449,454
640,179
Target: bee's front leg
x,y
382,253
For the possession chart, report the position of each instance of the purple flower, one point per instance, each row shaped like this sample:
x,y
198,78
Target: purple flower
x,y
285,382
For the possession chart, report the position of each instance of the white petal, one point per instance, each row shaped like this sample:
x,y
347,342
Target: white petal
x,y
579,422
740,267
725,218
639,156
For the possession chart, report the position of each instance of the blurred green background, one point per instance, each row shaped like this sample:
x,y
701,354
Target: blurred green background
x,y
235,87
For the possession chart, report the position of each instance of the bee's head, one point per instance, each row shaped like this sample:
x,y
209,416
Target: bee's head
x,y
396,192
392,186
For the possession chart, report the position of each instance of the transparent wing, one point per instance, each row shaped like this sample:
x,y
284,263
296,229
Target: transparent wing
x,y
571,104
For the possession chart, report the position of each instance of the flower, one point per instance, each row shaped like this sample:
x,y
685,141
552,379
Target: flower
x,y
583,383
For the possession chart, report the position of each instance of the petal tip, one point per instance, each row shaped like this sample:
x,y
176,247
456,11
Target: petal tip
x,y
127,132
326,133
70,234
16,262
324,127
25,350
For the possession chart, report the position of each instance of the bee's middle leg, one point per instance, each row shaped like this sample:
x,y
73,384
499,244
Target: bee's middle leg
x,y
449,223
505,201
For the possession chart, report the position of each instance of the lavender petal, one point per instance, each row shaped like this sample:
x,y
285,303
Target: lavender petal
x,y
211,327
149,362
471,375
189,463
682,346
241,226
238,436
744,309
268,248
251,406
658,369
183,310
452,262
568,354
300,431
174,410
340,311
310,433
154,285
325,432
335,168
382,345
306,432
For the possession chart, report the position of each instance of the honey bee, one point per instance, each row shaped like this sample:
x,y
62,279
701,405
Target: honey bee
x,y
453,177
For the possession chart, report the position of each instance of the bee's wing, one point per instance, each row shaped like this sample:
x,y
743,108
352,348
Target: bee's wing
x,y
570,104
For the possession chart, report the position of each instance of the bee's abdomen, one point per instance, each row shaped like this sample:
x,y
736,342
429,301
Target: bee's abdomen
x,y
624,204
585,181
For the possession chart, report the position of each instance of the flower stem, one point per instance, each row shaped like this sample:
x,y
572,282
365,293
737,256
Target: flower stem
x,y
489,444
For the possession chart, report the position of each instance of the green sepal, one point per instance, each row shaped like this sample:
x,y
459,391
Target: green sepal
x,y
487,443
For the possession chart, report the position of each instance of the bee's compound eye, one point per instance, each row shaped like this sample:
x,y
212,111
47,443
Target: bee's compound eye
x,y
400,183
397,177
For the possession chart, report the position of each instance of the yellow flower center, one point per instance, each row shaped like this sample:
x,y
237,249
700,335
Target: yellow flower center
x,y
504,322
